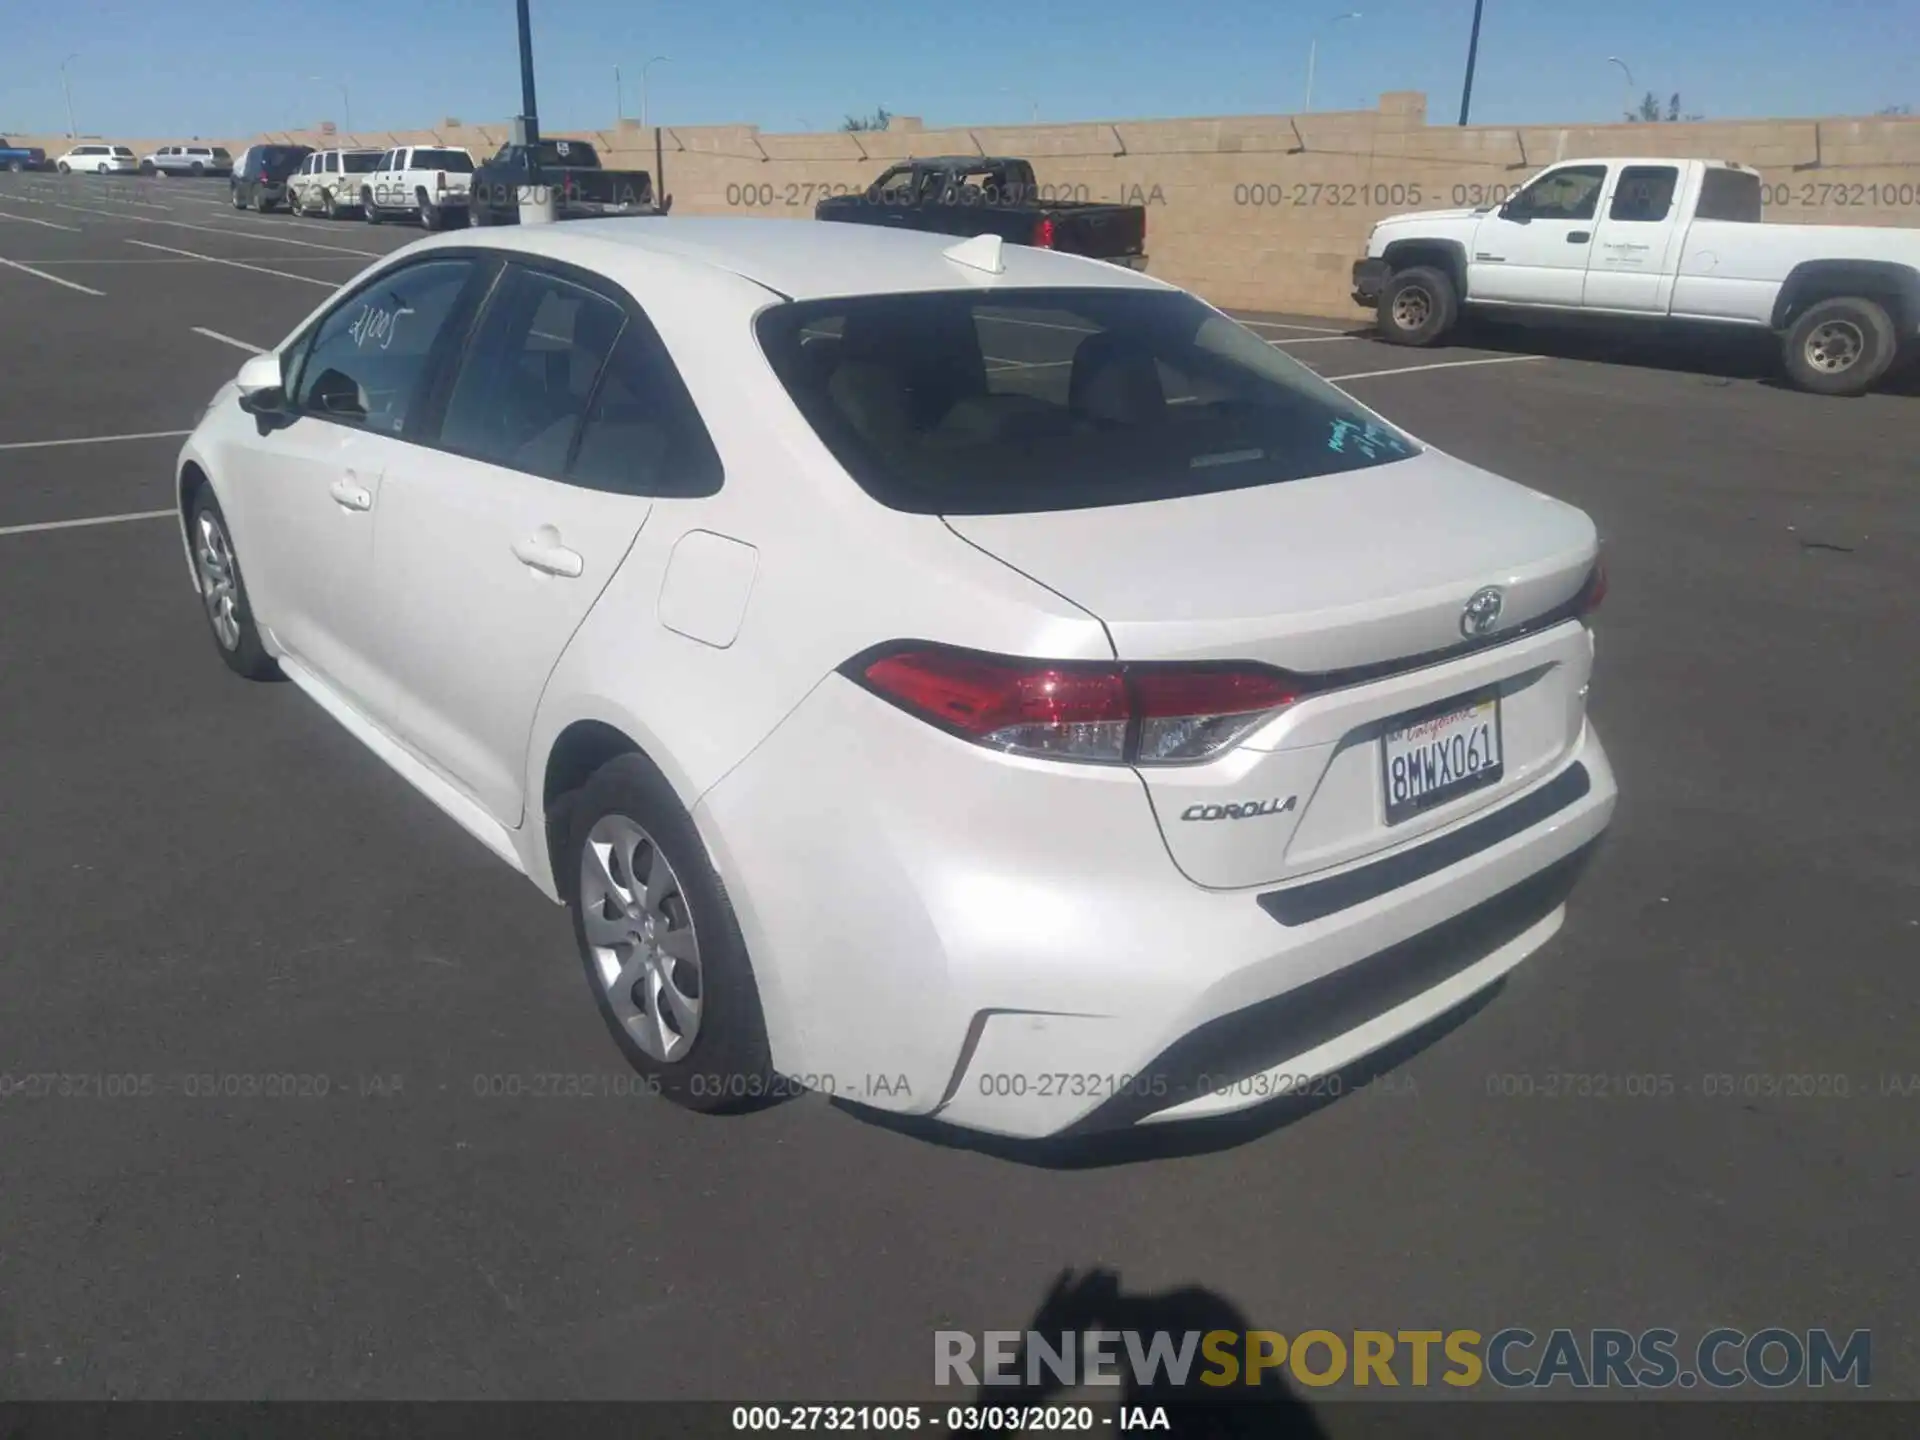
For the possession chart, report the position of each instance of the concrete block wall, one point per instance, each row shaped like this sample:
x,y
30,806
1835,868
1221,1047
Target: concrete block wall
x,y
1260,211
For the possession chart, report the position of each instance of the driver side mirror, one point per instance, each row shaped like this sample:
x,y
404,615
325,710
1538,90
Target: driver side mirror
x,y
262,387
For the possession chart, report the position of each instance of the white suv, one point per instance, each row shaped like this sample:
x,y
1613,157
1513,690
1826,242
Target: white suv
x,y
188,160
431,183
98,160
329,182
971,680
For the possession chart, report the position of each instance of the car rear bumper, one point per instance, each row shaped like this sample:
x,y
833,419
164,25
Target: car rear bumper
x,y
1369,279
1006,945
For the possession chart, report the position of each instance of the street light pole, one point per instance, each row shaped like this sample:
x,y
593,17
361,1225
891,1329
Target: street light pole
x,y
529,123
67,90
656,60
1313,54
619,98
1626,112
1473,53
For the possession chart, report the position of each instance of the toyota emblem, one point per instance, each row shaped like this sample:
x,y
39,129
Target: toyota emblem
x,y
1482,612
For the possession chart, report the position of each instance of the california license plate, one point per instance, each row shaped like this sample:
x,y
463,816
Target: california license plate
x,y
1435,755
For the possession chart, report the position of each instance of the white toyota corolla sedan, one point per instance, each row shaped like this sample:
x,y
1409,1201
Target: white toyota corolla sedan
x,y
974,681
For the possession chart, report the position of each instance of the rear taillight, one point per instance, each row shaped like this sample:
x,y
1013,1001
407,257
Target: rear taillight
x,y
1595,589
1152,714
1043,232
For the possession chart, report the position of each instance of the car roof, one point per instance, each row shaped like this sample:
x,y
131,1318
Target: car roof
x,y
805,259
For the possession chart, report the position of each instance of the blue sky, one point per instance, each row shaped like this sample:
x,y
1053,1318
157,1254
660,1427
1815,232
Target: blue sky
x,y
785,64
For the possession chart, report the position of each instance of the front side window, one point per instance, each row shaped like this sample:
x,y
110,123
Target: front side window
x,y
529,373
1644,193
369,357
979,402
1570,193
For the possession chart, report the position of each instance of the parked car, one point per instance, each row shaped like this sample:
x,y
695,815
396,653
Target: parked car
x,y
880,710
98,160
21,157
428,182
260,179
1654,241
973,195
188,160
582,188
328,182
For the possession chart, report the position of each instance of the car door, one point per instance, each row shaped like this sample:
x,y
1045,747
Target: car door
x,y
1533,249
309,485
1635,245
565,419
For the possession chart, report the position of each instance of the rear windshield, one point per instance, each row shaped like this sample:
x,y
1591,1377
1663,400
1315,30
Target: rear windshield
x,y
360,164
561,154
457,161
123,150
278,155
220,152
1010,402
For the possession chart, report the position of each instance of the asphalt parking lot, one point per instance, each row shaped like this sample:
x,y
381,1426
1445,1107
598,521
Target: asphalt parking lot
x,y
208,878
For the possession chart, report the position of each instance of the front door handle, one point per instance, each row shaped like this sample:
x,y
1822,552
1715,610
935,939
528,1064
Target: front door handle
x,y
544,552
351,496
1579,237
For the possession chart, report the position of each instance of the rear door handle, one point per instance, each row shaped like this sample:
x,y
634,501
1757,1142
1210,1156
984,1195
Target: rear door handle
x,y
350,495
549,556
1579,237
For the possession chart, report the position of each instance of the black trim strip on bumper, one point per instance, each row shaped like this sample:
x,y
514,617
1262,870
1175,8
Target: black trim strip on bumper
x,y
1316,899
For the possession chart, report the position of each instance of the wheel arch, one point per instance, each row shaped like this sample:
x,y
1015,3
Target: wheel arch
x,y
1449,257
1888,282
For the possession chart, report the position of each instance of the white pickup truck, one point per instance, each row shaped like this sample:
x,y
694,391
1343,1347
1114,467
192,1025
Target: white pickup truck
x,y
1656,239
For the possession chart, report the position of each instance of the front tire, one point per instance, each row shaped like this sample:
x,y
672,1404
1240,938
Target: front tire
x,y
198,170
1841,346
104,169
223,592
329,206
64,168
1417,307
368,210
660,943
239,200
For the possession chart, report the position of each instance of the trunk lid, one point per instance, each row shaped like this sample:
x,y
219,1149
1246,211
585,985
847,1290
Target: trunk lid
x,y
1369,571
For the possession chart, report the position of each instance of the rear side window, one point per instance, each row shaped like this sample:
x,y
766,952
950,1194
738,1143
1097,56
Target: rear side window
x,y
1644,193
369,356
1017,401
457,161
1729,195
529,373
644,435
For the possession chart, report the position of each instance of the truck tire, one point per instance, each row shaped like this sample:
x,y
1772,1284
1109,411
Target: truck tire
x,y
1417,307
369,211
1841,346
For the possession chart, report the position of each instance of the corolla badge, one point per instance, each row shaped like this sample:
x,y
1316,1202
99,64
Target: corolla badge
x,y
1482,612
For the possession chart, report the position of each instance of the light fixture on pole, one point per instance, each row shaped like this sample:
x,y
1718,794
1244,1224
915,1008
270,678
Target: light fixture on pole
x,y
67,90
1626,111
656,60
1313,54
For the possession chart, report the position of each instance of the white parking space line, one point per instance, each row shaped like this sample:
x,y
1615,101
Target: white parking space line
x,y
181,260
229,232
229,340
1283,325
83,289
1443,365
1317,339
236,264
1006,364
35,220
93,440
1036,324
45,525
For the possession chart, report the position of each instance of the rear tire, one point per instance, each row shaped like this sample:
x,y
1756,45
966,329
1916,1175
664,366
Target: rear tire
x,y
1841,346
198,170
1417,307
239,200
429,213
64,168
15,166
706,1050
104,169
223,591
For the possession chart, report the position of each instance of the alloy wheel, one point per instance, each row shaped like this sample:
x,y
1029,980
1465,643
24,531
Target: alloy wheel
x,y
219,579
640,933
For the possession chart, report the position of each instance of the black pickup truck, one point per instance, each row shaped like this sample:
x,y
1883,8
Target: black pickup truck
x,y
582,188
986,195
